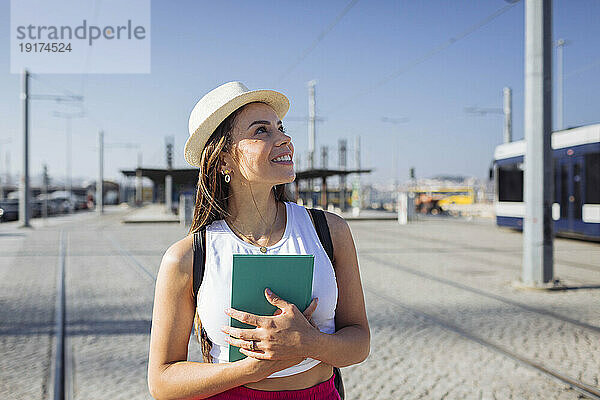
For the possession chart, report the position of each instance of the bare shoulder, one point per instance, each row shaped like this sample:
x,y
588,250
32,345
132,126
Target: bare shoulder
x,y
341,236
178,258
337,224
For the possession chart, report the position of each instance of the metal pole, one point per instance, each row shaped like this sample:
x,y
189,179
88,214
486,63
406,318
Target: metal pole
x,y
324,157
311,124
24,184
538,183
1,183
507,115
45,192
311,136
138,181
356,195
560,44
342,166
168,193
169,176
396,151
7,160
100,181
69,182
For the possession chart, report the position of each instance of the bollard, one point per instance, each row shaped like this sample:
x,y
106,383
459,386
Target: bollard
x,y
406,207
402,208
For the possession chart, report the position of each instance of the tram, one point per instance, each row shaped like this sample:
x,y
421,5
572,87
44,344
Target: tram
x,y
576,167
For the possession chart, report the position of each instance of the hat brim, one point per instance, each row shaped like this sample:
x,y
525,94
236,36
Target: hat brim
x,y
196,142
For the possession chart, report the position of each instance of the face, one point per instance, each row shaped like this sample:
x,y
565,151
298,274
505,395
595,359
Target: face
x,y
258,137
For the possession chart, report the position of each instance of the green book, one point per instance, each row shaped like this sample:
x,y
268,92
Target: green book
x,y
288,276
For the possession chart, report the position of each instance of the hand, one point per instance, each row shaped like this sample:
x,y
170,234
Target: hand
x,y
289,333
261,369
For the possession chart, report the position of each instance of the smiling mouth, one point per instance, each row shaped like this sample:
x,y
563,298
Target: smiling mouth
x,y
286,160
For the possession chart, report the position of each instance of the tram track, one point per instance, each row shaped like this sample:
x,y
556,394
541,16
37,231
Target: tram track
x,y
480,292
486,249
583,388
471,251
62,359
129,256
61,380
557,376
62,372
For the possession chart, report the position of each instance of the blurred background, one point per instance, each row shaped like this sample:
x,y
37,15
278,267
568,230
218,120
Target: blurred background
x,y
408,119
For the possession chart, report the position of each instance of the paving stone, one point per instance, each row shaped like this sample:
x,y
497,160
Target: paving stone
x,y
418,280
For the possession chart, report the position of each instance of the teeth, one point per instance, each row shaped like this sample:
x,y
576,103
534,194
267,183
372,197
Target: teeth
x,y
283,158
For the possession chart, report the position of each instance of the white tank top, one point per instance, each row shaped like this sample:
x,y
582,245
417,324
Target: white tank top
x,y
214,295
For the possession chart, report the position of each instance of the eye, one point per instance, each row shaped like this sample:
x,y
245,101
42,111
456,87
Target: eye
x,y
260,129
282,129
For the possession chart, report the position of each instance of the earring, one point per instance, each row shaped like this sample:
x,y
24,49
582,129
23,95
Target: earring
x,y
227,176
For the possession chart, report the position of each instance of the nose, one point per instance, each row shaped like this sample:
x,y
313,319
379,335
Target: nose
x,y
283,139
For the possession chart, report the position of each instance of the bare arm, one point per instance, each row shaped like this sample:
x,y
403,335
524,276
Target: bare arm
x,y
352,327
170,375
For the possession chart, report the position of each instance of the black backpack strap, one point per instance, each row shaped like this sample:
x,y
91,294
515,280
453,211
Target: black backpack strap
x,y
199,259
320,223
322,229
199,267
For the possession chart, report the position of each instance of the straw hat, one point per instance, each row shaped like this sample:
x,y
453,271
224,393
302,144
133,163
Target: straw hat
x,y
218,104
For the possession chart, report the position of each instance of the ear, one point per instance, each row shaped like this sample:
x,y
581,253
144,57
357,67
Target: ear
x,y
223,164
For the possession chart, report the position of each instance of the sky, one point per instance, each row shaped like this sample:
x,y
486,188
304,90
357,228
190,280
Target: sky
x,y
198,45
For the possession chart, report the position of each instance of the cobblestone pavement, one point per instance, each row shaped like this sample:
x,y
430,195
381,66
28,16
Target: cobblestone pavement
x,y
436,291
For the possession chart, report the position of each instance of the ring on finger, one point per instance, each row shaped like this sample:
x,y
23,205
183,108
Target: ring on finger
x,y
252,345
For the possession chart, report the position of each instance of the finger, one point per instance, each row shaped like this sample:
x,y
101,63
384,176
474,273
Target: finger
x,y
241,333
276,300
311,307
243,344
244,317
254,354
312,322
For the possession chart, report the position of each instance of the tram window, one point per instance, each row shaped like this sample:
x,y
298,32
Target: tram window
x,y
510,183
592,178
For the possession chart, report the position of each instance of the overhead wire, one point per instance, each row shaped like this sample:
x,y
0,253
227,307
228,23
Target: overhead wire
x,y
317,40
587,67
85,74
438,49
68,92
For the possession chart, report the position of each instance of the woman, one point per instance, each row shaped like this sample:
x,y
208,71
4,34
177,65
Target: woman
x,y
238,141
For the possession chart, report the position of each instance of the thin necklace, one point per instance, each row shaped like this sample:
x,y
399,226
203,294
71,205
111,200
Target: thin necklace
x,y
263,249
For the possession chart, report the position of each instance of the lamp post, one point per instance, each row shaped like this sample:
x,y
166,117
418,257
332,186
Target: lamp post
x,y
6,173
506,110
68,177
560,44
24,198
100,182
395,121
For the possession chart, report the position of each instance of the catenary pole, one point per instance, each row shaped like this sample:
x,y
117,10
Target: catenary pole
x,y
507,115
538,183
100,180
560,44
24,184
311,124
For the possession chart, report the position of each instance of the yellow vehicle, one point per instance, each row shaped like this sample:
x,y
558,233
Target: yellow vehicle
x,y
467,197
435,201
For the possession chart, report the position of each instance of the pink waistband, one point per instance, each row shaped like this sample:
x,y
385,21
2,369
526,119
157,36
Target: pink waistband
x,y
321,391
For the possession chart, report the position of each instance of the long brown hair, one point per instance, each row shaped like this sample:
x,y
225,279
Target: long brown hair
x,y
212,195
